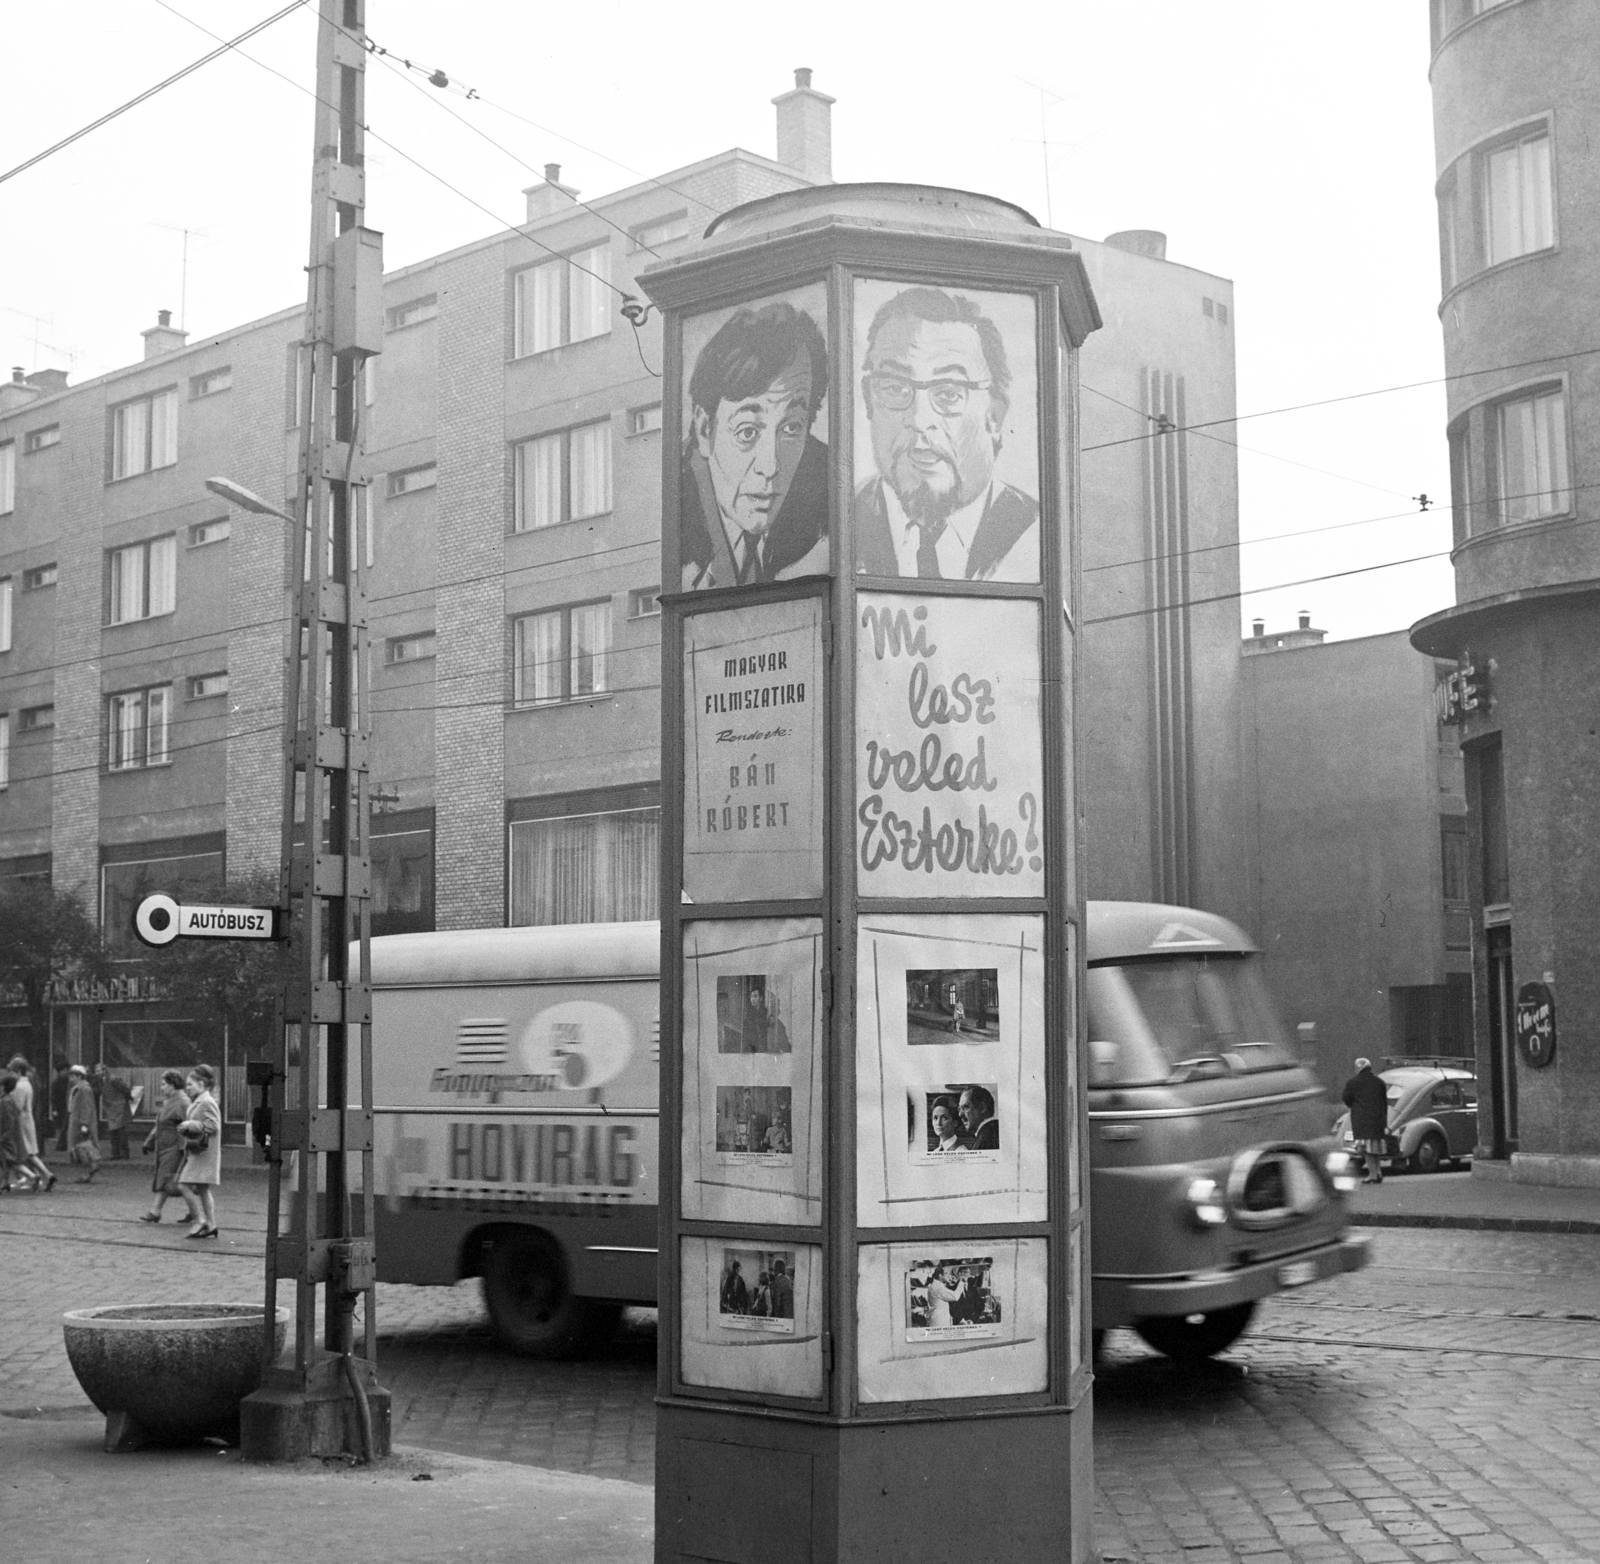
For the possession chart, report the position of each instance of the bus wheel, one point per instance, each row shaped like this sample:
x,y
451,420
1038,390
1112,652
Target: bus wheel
x,y
1194,1337
531,1303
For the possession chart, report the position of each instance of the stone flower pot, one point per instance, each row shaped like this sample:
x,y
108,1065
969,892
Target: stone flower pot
x,y
168,1373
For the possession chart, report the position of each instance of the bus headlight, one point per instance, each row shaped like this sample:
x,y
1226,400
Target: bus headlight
x,y
1205,1203
1341,1169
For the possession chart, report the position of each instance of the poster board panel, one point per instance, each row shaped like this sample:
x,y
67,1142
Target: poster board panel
x,y
949,749
952,1318
951,1113
752,1070
752,756
751,1316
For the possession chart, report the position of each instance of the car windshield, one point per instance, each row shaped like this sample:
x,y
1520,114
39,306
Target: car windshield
x,y
1181,1017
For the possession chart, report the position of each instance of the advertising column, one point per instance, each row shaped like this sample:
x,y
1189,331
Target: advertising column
x,y
872,1270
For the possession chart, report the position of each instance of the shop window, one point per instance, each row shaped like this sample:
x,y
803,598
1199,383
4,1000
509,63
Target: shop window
x,y
192,876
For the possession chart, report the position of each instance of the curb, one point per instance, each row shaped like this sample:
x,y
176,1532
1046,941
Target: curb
x,y
1495,1224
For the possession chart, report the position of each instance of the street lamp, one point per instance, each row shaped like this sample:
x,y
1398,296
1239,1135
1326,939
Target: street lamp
x,y
245,499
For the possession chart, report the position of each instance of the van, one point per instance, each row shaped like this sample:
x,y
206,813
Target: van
x,y
516,1135
1213,1180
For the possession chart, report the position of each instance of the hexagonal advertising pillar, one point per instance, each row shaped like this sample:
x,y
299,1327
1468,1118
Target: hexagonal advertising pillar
x,y
874,1259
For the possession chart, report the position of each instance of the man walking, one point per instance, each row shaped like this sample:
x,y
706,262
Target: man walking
x,y
1368,1101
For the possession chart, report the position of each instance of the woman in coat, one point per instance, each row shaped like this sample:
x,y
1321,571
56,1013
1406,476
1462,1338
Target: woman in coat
x,y
28,1130
1367,1098
201,1132
83,1124
165,1141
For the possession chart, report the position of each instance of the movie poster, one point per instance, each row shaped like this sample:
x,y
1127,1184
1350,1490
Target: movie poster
x,y
943,1321
751,1316
752,752
951,1122
949,747
752,1070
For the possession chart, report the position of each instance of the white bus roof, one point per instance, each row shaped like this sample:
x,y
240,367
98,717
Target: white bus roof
x,y
1123,930
548,954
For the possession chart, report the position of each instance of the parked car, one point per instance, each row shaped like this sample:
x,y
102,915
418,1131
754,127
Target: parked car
x,y
1433,1114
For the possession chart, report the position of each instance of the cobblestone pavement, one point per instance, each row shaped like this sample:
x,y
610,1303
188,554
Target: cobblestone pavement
x,y
1442,1406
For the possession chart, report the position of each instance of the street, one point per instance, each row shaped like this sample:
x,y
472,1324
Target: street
x,y
1440,1406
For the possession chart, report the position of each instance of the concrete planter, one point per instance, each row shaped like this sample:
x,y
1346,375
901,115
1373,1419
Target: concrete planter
x,y
168,1373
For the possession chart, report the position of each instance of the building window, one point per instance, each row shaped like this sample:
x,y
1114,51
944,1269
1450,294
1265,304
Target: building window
x,y
1517,209
41,439
1453,859
204,532
369,380
144,580
564,476
8,477
5,749
411,648
39,576
586,868
663,230
645,420
414,312
402,879
413,480
184,876
32,718
5,613
644,603
560,655
137,728
144,434
211,382
202,686
1531,457
1448,15
1449,221
562,301
1460,482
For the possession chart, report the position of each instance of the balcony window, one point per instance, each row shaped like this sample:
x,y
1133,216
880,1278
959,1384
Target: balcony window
x,y
144,580
136,728
567,300
144,434
1533,481
1517,213
560,655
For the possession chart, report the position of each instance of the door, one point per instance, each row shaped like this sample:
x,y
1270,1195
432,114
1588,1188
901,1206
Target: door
x,y
1502,1043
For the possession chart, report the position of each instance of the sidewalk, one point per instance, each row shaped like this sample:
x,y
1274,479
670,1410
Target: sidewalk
x,y
1465,1200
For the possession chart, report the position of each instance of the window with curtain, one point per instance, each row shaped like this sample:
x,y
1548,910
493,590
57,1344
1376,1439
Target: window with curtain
x,y
561,654
8,477
1518,216
562,301
595,868
1460,481
144,580
5,613
565,476
136,728
1532,457
5,749
144,434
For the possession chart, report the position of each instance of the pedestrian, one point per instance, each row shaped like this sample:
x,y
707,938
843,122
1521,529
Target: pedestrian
x,y
60,1085
1367,1098
83,1125
201,1132
116,1103
167,1143
11,1138
22,1095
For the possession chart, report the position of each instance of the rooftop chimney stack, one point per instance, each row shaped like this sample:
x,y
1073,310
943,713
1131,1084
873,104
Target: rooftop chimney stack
x,y
551,196
1305,620
163,337
1258,628
805,129
16,392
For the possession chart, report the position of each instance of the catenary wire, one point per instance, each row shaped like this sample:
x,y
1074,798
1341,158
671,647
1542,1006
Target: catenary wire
x,y
150,92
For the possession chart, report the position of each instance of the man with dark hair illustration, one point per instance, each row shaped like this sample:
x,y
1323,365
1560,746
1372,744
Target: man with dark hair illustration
x,y
936,386
754,496
977,1117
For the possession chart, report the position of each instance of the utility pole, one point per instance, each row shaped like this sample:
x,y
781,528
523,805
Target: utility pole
x,y
319,1084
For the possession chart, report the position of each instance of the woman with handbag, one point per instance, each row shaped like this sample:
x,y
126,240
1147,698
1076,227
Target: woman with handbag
x,y
27,1128
167,1144
201,1133
83,1124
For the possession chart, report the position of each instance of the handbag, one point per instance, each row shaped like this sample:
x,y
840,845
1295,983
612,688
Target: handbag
x,y
196,1138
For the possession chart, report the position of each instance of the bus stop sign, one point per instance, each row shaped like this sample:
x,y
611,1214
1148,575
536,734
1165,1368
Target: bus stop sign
x,y
158,920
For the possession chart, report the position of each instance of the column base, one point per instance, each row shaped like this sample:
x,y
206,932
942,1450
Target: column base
x,y
289,1418
760,1488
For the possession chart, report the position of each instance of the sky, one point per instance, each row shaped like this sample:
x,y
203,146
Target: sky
x,y
1287,147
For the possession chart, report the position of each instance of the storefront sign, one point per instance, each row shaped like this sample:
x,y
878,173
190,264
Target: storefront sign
x,y
752,826
949,760
1536,1025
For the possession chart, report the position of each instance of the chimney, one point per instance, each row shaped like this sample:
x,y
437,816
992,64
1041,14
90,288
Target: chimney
x,y
16,392
805,130
551,196
48,381
1305,620
163,337
1140,241
1258,628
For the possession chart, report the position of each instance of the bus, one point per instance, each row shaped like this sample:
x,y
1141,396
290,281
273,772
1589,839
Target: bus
x,y
516,1135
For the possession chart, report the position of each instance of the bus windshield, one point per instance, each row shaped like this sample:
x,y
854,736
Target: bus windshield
x,y
1179,1018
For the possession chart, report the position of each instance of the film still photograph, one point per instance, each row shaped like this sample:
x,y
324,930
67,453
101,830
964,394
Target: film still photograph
x,y
953,1122
752,1014
949,1299
952,1005
757,1290
754,1124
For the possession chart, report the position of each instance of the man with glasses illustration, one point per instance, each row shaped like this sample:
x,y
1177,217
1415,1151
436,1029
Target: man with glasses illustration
x,y
936,388
754,496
